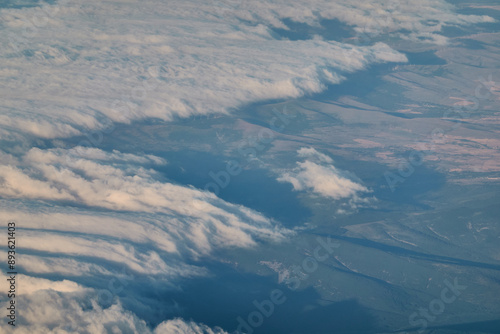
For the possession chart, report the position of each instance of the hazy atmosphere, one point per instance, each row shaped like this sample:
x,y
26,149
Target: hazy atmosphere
x,y
245,167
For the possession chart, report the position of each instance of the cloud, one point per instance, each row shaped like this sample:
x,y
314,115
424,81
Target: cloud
x,y
317,175
72,69
79,70
49,311
116,181
32,284
422,21
65,307
179,326
91,217
52,311
171,218
309,152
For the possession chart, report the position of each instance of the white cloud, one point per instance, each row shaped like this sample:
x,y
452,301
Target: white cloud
x,y
406,19
61,310
48,311
309,152
322,180
179,326
164,217
86,213
319,176
32,284
69,69
133,223
81,69
115,182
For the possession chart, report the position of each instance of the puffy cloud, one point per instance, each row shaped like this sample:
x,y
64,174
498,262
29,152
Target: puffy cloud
x,y
405,19
65,308
309,152
168,213
132,227
317,175
179,326
33,284
80,70
69,69
49,311
90,216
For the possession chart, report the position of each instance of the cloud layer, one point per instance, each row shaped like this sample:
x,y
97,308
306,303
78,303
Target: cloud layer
x,y
70,68
422,21
92,218
82,69
317,175
50,311
121,182
95,222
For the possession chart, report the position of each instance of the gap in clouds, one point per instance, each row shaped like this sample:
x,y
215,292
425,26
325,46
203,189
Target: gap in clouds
x,y
193,151
219,300
253,188
465,8
328,29
362,86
